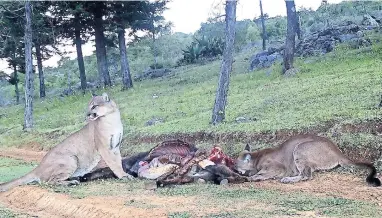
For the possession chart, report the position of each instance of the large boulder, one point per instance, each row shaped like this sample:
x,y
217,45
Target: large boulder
x,y
265,59
89,85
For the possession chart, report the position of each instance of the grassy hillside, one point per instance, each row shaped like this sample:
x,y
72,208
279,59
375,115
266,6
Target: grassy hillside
x,y
343,86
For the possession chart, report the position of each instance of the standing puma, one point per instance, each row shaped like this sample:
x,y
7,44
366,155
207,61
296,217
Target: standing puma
x,y
80,152
296,159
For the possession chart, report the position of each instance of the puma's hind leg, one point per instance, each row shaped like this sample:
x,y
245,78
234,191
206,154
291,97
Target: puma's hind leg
x,y
305,172
61,172
312,156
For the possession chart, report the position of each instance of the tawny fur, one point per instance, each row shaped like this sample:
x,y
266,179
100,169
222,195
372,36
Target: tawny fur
x,y
81,151
296,159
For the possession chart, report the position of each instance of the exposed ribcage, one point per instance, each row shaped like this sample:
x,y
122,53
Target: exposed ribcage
x,y
177,147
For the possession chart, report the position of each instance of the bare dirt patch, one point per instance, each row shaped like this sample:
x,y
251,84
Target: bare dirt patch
x,y
37,201
22,154
328,184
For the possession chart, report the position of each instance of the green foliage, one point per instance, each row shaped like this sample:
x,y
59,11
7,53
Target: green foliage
x,y
337,14
180,215
276,28
244,29
253,33
156,66
6,213
211,47
139,54
202,48
13,80
192,53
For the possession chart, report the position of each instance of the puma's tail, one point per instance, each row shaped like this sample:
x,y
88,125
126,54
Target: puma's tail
x,y
28,178
371,178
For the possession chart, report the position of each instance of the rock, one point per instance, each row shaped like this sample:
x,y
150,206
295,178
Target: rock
x,y
152,73
224,182
89,85
154,121
67,92
360,34
309,61
268,72
264,59
369,21
359,43
318,43
151,185
201,181
347,37
291,72
243,120
324,41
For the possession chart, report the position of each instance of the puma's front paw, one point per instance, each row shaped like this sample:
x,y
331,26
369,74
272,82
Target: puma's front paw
x,y
292,179
255,178
73,182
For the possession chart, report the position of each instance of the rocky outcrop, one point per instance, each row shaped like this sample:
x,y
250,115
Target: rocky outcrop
x,y
320,42
323,42
265,59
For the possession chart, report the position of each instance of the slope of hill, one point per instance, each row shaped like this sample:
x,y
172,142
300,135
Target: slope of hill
x,y
341,87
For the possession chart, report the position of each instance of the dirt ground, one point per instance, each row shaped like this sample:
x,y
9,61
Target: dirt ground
x,y
37,201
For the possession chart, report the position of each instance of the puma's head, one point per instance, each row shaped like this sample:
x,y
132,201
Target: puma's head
x,y
100,106
244,162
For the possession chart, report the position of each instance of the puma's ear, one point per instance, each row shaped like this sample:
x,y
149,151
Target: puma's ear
x,y
94,94
105,97
247,148
247,157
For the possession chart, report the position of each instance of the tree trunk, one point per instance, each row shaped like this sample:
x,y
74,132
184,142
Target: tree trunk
x,y
40,71
298,26
16,84
125,70
28,114
264,34
103,68
155,52
80,57
290,36
218,113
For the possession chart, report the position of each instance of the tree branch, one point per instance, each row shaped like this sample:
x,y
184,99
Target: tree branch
x,y
12,12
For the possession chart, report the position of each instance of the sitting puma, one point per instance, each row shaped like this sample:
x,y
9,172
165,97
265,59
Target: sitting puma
x,y
296,159
80,152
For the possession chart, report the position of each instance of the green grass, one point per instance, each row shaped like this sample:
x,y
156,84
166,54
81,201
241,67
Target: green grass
x,y
344,86
6,213
11,168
